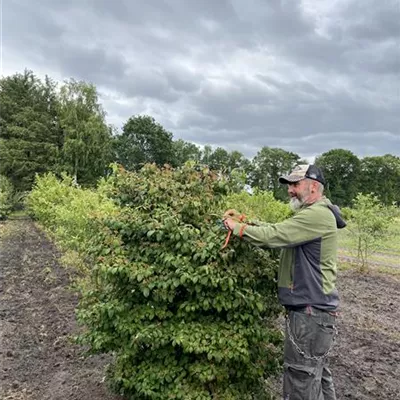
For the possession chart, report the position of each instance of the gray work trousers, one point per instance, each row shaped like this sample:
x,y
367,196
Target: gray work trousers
x,y
309,336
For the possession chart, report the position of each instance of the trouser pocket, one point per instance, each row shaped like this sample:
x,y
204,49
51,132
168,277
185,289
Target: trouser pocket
x,y
324,338
301,382
309,338
310,335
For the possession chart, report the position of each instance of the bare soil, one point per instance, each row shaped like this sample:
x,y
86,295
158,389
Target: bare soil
x,y
39,361
366,358
38,358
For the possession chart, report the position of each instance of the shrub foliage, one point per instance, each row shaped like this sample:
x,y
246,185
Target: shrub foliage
x,y
6,197
183,318
261,205
66,210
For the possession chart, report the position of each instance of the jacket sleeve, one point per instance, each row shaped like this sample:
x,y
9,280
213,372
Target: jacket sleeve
x,y
301,228
259,223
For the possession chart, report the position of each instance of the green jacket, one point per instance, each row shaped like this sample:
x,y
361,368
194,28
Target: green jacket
x,y
308,262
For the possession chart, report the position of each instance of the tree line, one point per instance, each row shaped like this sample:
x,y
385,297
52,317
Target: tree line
x,y
46,128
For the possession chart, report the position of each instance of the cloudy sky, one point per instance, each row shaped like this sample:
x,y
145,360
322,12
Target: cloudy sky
x,y
303,75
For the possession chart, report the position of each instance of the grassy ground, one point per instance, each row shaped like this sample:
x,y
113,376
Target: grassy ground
x,y
4,229
385,255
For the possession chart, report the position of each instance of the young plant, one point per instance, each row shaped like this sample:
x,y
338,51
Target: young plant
x,y
369,223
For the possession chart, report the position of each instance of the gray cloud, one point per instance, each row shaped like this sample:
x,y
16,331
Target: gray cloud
x,y
302,75
372,21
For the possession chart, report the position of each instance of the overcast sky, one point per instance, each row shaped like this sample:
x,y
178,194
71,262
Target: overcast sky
x,y
303,75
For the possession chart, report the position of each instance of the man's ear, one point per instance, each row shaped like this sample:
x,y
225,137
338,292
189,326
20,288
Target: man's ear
x,y
314,186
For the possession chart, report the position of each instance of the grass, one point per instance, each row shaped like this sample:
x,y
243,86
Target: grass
x,y
18,214
5,229
385,256
378,258
379,269
389,271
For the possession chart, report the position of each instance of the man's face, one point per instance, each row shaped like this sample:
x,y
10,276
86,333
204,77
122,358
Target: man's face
x,y
299,192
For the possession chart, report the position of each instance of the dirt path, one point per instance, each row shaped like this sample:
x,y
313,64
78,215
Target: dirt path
x,y
37,359
38,362
366,360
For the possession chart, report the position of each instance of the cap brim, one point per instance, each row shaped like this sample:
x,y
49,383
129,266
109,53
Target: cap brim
x,y
290,179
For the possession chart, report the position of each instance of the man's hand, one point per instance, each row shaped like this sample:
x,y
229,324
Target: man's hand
x,y
231,218
231,213
230,223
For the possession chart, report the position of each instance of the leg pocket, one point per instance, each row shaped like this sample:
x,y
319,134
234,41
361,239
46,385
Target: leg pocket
x,y
328,388
324,338
300,324
301,382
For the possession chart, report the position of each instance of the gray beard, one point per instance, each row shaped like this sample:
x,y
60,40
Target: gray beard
x,y
295,204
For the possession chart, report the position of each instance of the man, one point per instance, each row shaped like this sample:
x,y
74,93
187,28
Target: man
x,y
306,280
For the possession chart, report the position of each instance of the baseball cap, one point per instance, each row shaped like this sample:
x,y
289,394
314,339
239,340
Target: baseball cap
x,y
303,171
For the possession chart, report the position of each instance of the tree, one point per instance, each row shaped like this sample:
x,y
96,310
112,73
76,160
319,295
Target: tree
x,y
206,155
86,151
381,176
268,165
219,160
185,151
223,161
30,137
369,222
143,140
341,169
238,161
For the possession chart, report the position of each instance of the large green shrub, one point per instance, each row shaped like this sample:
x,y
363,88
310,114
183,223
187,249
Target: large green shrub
x,y
6,197
184,319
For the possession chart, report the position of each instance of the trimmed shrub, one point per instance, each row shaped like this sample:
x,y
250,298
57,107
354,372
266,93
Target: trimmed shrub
x,y
183,318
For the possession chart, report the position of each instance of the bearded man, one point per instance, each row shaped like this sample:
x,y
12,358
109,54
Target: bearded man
x,y
306,280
